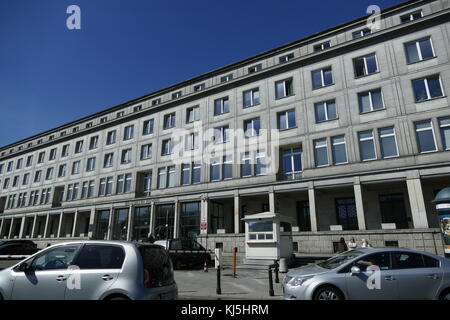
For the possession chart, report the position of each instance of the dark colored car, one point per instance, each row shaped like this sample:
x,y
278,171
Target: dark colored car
x,y
186,252
17,248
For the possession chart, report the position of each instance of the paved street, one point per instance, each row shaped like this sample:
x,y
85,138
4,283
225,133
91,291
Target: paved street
x,y
196,284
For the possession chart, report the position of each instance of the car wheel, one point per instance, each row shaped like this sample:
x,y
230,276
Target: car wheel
x,y
445,295
328,293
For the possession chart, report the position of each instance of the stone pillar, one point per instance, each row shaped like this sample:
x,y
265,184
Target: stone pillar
x,y
33,229
22,226
47,219
272,206
312,208
237,210
74,226
130,222
152,217
58,235
110,223
11,228
418,210
91,224
204,214
176,220
359,207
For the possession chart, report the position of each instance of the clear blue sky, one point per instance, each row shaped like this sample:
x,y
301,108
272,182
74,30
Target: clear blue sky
x,y
50,75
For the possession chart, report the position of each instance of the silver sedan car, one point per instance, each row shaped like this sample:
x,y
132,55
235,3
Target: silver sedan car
x,y
371,273
92,270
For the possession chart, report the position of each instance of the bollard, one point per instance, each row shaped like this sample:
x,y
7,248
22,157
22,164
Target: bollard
x,y
271,292
218,289
277,279
234,262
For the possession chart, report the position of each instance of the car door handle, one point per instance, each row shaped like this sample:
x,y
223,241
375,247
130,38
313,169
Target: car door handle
x,y
107,277
61,278
433,276
389,278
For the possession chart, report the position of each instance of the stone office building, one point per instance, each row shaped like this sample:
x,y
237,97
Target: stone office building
x,y
356,130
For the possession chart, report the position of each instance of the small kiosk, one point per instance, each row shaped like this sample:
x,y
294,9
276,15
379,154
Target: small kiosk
x,y
442,202
268,236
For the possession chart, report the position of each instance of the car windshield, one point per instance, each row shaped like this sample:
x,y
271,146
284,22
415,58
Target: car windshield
x,y
340,259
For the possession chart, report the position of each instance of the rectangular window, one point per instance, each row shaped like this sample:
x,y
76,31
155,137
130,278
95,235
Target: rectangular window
x,y
155,102
10,166
120,114
192,114
93,143
49,174
252,127
338,150
109,185
76,167
444,125
325,111
176,95
251,97
19,164
62,170
427,88
128,133
321,46
126,156
255,68
367,145
15,181
411,16
91,188
419,50
425,136
320,152
146,151
41,157
226,78
286,120
37,176
162,178
65,150
246,165
29,161
286,58
26,179
79,146
370,101
227,169
221,134
167,146
120,183
283,89
388,143
148,127
147,178
108,160
102,187
52,155
111,137
185,173
171,176
169,121
260,163
322,78
199,87
192,141
361,33
221,106
137,108
90,165
364,66
292,163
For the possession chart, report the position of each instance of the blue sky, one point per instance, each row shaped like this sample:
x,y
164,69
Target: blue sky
x,y
50,75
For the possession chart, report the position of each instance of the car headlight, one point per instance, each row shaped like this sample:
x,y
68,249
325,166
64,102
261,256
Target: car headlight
x,y
299,280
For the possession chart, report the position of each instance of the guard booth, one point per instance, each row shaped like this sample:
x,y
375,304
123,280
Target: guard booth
x,y
442,202
268,236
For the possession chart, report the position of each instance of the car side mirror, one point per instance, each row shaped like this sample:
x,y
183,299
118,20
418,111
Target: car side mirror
x,y
25,267
355,270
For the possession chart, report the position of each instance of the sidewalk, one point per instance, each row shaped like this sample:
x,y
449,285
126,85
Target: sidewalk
x,y
248,285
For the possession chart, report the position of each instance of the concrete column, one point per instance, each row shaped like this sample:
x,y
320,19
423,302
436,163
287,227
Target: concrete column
x,y
359,207
312,208
74,226
22,226
34,226
58,235
272,206
46,226
419,213
11,228
176,220
237,210
130,222
152,217
110,223
91,224
204,215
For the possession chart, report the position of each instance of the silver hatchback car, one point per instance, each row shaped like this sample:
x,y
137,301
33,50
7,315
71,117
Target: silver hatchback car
x,y
371,273
92,270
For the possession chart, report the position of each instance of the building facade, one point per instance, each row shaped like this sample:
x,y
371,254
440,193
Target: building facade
x,y
346,131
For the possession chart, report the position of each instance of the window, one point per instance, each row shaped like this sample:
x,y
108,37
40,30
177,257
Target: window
x,y
108,160
321,152
87,189
246,165
62,170
221,106
128,133
137,108
393,210
366,65
10,166
29,161
41,157
49,174
147,182
169,120
292,163
370,101
89,124
260,230
109,257
286,58
90,165
286,120
321,46
120,114
123,183
148,127
155,102
59,258
76,167
79,146
251,97
166,177
52,155
221,168
411,16
167,146
102,187
109,184
65,150
255,68
186,176
346,213
419,50
15,181
444,124
126,156
103,119
338,150
367,145
260,163
37,176
72,192
190,221
199,87
252,127
176,95
322,78
6,183
361,33
425,136
26,179
407,260
111,137
191,141
93,143
221,134
19,164
381,260
427,88
226,78
388,142
325,111
146,151
192,114
283,89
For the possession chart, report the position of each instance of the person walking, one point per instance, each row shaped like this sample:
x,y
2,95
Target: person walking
x,y
352,244
342,246
364,243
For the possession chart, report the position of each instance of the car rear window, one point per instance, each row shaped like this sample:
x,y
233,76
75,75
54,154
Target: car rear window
x,y
100,257
158,263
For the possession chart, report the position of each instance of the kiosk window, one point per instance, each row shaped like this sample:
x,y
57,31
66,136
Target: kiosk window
x,y
260,230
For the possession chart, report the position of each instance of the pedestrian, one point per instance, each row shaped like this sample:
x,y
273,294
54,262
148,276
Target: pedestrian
x,y
342,246
352,244
364,243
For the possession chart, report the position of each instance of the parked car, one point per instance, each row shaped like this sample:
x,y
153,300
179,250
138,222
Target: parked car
x,y
17,247
371,273
186,252
92,270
